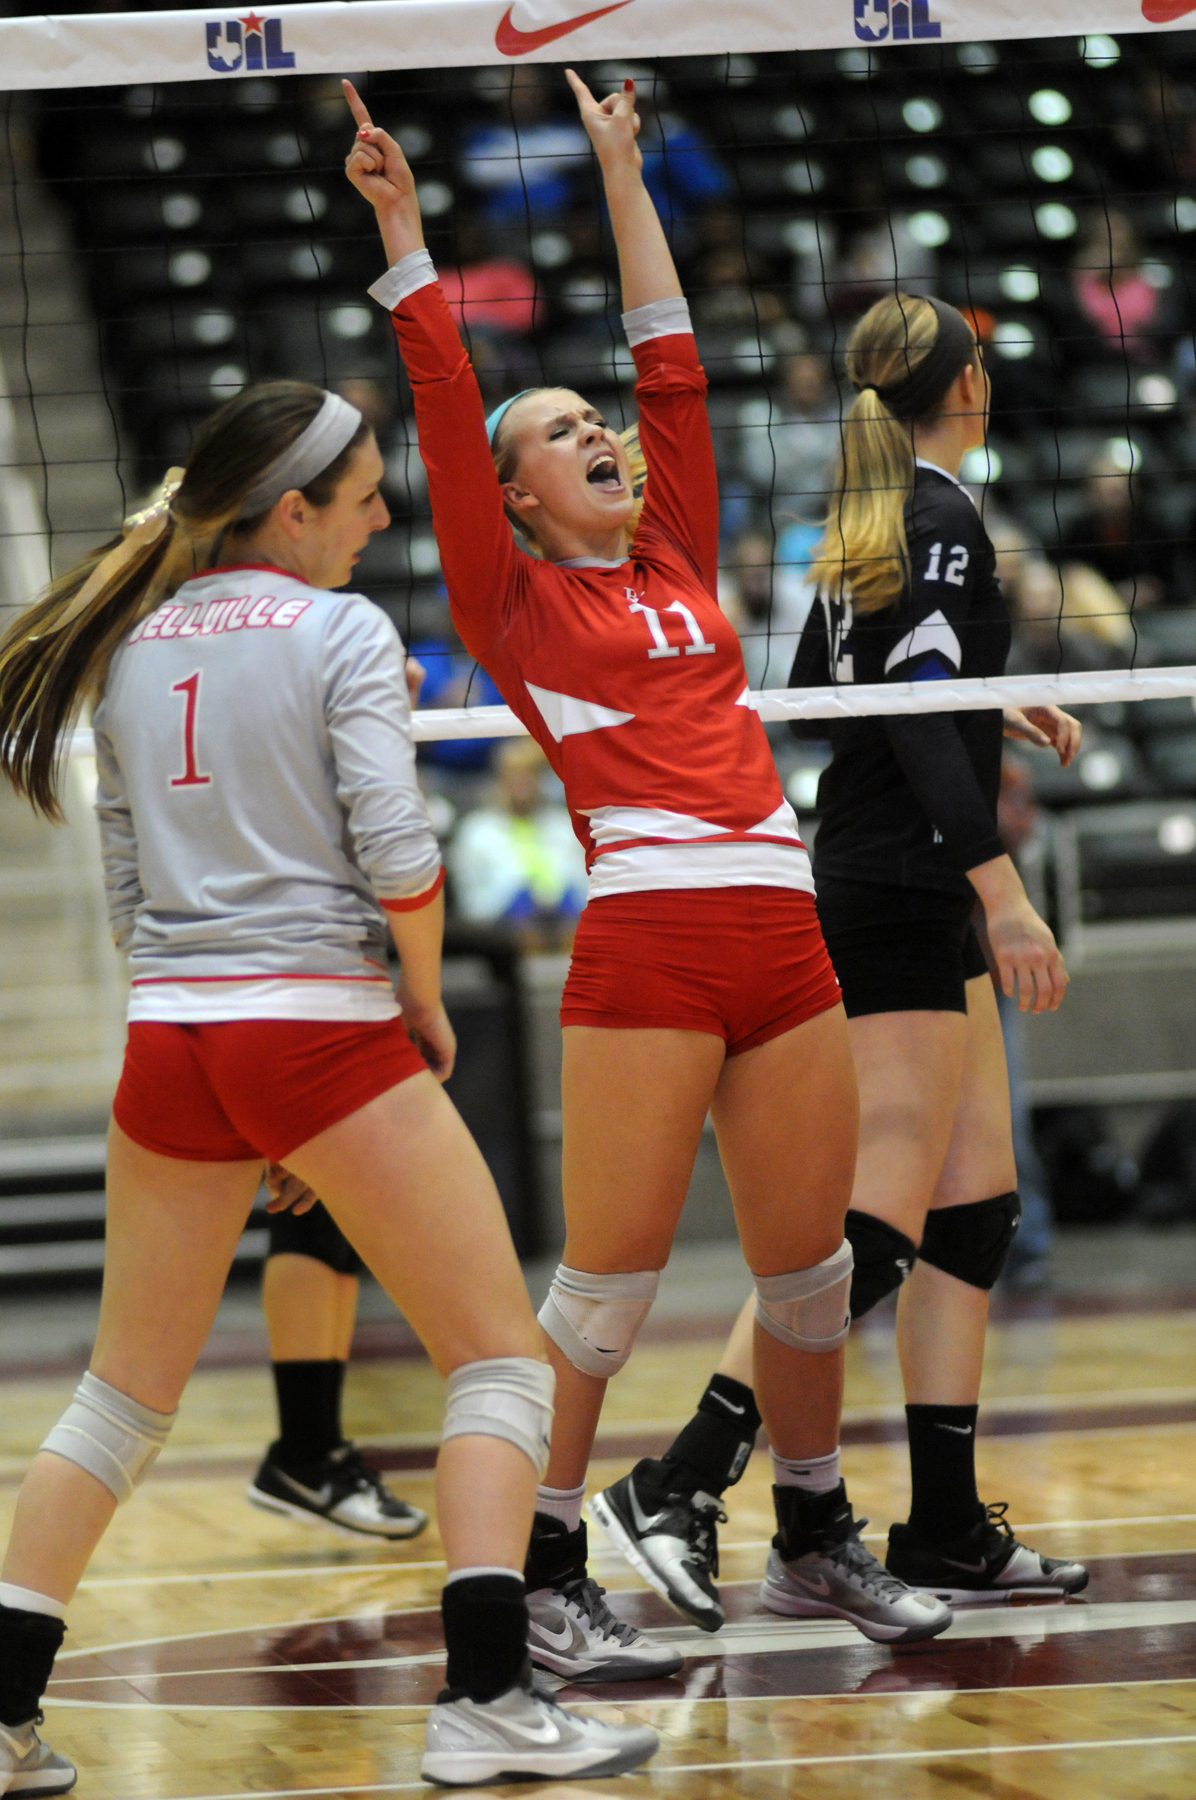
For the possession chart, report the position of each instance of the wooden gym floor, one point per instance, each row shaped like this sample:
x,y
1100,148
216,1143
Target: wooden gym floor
x,y
217,1651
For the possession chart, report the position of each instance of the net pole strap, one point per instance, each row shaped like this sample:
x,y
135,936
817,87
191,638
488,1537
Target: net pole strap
x,y
780,704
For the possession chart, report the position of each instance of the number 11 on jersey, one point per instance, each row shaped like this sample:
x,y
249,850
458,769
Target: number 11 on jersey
x,y
191,776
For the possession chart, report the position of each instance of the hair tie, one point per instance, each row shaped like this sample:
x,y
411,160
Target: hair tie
x,y
139,532
924,385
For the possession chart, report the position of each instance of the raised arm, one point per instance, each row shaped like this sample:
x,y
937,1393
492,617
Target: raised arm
x,y
477,550
646,267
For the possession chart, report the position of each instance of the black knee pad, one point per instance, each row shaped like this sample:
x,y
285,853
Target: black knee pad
x,y
971,1242
315,1234
883,1256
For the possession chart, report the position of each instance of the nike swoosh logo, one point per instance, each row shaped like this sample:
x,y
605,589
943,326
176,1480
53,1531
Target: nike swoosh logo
x,y
966,1430
972,1568
1165,12
555,1640
642,1524
740,1410
533,1734
317,1496
510,41
821,1586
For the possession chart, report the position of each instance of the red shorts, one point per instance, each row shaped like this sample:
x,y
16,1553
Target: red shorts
x,y
253,1087
743,963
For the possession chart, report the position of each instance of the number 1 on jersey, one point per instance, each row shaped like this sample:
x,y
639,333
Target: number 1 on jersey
x,y
191,776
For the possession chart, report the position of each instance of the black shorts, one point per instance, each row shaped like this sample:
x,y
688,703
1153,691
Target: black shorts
x,y
315,1234
898,949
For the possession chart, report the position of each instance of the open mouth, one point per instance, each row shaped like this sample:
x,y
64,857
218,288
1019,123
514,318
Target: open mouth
x,y
604,474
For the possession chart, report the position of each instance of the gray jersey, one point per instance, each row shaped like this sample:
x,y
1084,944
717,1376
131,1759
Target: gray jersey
x,y
257,800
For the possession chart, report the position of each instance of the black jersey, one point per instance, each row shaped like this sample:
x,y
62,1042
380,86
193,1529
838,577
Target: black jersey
x,y
911,800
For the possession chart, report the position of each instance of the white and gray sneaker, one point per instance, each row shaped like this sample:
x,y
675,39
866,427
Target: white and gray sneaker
x,y
671,1539
523,1735
572,1632
342,1491
29,1767
819,1569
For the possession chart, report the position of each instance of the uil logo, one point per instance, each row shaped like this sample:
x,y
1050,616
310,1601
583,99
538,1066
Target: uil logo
x,y
246,43
896,21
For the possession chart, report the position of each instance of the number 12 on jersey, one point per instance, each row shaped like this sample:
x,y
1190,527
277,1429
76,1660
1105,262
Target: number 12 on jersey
x,y
191,776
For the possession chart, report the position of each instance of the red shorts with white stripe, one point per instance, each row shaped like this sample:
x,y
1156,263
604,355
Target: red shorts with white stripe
x,y
249,1088
742,963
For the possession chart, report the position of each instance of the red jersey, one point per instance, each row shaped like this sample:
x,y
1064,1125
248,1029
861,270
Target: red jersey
x,y
627,674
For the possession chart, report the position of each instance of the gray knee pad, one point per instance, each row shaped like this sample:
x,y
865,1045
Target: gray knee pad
x,y
809,1309
504,1397
594,1320
114,1438
972,1241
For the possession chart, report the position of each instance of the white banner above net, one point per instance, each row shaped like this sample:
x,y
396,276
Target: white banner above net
x,y
114,49
778,705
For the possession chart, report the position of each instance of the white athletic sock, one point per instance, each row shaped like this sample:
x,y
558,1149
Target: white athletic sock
x,y
562,1503
482,1569
816,1474
26,1600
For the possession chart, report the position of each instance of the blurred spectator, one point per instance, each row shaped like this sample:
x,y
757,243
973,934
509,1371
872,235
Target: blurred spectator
x,y
879,251
518,859
528,162
488,289
1122,297
453,679
1066,618
789,443
1119,531
767,601
681,171
727,291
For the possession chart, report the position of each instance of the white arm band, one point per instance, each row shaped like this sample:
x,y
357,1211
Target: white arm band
x,y
660,318
410,273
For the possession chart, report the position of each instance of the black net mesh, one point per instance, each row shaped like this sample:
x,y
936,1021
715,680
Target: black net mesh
x,y
1047,187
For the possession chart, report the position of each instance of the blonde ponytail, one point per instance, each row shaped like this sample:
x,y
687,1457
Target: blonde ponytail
x,y
863,556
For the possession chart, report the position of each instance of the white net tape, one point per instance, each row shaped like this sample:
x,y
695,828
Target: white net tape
x,y
784,704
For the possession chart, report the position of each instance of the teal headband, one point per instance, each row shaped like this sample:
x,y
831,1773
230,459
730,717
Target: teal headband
x,y
496,417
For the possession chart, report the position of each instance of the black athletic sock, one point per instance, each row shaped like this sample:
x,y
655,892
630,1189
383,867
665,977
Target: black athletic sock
x,y
942,1460
309,1412
485,1633
711,1452
29,1642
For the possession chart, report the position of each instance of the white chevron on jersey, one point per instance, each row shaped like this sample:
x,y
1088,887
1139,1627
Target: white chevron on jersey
x,y
567,716
931,633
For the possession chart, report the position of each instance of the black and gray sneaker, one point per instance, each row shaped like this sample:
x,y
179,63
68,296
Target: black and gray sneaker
x,y
572,1632
342,1491
987,1566
523,1735
671,1539
819,1569
28,1767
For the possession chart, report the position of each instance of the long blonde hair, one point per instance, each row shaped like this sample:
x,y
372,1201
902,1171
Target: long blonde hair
x,y
862,555
56,655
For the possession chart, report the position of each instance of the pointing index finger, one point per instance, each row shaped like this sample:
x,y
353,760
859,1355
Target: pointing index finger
x,y
357,105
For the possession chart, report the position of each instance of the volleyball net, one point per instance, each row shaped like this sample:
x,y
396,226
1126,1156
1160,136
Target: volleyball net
x,y
176,223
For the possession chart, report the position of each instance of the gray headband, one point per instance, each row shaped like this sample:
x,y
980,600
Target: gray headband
x,y
310,454
924,385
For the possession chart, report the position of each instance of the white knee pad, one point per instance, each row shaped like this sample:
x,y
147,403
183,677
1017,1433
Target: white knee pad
x,y
811,1308
114,1438
505,1397
594,1320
